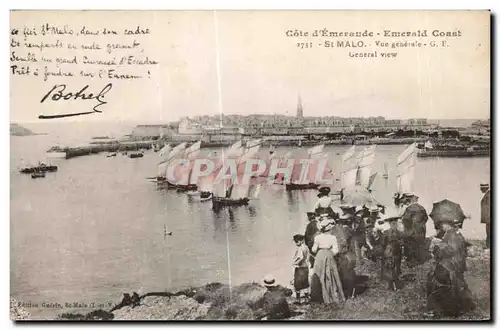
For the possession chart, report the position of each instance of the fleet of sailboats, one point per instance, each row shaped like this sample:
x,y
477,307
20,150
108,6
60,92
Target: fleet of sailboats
x,y
356,171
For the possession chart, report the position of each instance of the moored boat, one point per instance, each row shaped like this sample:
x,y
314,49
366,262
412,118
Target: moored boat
x,y
227,201
295,186
307,176
40,168
37,175
454,153
136,155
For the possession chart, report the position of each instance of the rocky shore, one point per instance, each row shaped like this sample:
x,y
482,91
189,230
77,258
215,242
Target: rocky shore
x,y
215,301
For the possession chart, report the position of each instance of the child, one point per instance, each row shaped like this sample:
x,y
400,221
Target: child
x,y
300,263
391,262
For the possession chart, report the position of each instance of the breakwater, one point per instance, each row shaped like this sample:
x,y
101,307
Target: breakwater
x,y
107,147
95,147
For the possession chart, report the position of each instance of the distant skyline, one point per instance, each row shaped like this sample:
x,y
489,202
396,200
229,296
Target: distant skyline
x,y
242,62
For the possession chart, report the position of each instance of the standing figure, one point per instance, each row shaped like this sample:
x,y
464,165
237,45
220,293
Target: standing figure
x,y
392,255
326,286
415,221
301,269
346,259
485,211
325,202
358,235
312,229
447,291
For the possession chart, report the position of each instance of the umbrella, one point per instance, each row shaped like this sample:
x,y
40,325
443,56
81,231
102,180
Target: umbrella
x,y
447,210
358,196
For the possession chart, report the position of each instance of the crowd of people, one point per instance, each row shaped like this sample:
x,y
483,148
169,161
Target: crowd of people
x,y
337,239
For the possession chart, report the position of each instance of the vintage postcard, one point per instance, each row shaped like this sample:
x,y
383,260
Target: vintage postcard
x,y
250,165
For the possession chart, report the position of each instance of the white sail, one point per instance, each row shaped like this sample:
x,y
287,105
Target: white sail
x,y
252,149
193,151
408,152
348,154
176,151
206,183
406,169
365,159
236,145
404,181
162,170
348,178
371,180
220,189
235,150
184,170
254,191
165,151
428,145
315,150
239,191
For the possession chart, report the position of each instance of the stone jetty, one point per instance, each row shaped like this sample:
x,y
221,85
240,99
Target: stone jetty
x,y
114,146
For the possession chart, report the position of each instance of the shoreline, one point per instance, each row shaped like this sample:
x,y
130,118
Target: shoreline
x,y
96,147
214,301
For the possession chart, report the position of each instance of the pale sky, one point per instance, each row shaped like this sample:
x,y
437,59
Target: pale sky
x,y
261,70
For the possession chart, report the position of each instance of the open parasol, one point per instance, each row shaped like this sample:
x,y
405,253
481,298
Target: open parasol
x,y
447,210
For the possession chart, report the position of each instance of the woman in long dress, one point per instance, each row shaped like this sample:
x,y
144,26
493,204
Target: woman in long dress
x,y
447,291
326,285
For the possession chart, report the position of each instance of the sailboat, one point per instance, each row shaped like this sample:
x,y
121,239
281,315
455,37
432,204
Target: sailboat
x,y
365,161
406,170
386,172
172,154
349,169
230,192
184,183
299,175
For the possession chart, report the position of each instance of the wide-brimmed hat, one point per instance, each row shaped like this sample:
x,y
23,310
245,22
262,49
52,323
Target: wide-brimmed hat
x,y
410,195
345,217
390,216
324,224
449,221
269,281
484,185
348,208
324,190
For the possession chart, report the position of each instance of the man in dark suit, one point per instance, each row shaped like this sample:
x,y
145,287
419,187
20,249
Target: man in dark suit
x,y
485,210
414,220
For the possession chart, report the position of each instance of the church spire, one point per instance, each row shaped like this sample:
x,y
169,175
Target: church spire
x,y
300,113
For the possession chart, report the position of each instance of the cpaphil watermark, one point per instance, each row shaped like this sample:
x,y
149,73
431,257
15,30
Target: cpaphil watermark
x,y
270,171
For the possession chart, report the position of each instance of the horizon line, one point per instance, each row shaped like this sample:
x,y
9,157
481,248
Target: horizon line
x,y
177,120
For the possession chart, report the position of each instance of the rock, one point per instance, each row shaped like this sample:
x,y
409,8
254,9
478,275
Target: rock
x,y
164,308
18,313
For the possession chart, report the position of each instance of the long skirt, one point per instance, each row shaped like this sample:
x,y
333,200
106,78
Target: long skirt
x,y
326,286
346,263
301,278
447,291
391,263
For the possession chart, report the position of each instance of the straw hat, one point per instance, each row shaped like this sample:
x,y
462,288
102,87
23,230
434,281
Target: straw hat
x,y
484,185
409,195
269,281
